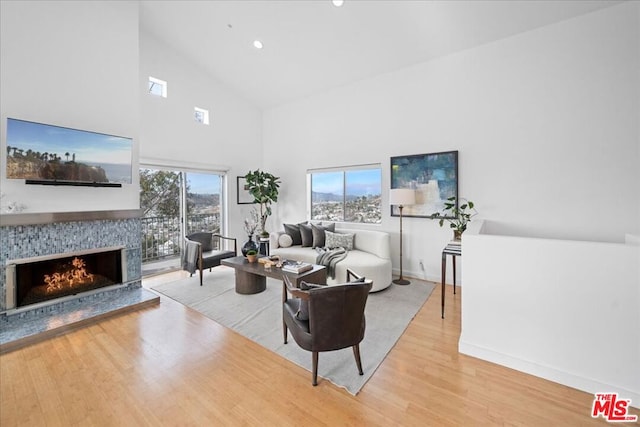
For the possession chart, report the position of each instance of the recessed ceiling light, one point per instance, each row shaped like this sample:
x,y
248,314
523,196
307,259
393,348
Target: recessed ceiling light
x,y
257,44
337,3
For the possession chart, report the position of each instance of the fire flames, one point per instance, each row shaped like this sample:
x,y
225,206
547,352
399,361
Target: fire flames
x,y
77,273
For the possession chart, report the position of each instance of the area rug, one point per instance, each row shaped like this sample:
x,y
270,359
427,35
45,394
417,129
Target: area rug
x,y
259,318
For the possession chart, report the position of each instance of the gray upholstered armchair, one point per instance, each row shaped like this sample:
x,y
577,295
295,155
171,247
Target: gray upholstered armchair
x,y
205,250
334,317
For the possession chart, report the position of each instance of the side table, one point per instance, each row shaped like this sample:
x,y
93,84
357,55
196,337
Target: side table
x,y
263,246
454,249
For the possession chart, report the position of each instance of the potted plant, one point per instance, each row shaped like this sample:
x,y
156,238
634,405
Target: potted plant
x,y
263,186
252,255
458,216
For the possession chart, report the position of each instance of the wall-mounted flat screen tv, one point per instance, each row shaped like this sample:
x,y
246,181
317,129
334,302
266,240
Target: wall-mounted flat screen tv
x,y
53,155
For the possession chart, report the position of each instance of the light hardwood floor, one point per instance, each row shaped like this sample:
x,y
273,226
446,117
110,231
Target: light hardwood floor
x,y
169,365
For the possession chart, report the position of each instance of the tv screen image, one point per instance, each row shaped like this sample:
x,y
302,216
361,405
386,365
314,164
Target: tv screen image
x,y
48,153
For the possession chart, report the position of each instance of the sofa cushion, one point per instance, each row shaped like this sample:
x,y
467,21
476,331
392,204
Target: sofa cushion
x,y
296,253
338,240
307,235
284,241
293,230
318,234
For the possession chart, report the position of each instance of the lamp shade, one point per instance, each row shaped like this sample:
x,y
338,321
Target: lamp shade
x,y
402,196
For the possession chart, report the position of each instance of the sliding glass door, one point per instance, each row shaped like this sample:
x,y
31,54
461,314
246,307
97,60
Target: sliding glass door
x,y
202,204
176,203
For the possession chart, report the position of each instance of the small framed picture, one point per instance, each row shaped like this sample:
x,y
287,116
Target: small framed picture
x,y
244,197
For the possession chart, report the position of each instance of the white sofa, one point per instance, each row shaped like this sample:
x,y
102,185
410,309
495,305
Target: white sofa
x,y
370,257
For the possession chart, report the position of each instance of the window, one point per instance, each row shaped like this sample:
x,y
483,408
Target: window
x,y
176,203
157,87
347,194
201,115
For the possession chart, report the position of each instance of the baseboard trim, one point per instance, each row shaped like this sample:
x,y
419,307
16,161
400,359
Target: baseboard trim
x,y
587,385
422,276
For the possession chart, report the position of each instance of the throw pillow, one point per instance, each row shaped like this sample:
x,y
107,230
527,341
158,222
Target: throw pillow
x,y
303,308
306,234
338,240
318,234
305,286
285,240
293,230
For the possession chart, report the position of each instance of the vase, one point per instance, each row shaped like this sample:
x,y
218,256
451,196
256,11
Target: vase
x,y
248,245
457,235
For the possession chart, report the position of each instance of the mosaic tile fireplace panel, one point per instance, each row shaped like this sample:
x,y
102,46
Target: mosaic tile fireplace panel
x,y
26,241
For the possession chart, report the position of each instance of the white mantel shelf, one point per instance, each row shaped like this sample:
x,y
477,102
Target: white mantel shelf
x,y
55,217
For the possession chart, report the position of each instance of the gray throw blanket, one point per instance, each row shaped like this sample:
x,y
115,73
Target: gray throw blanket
x,y
190,256
329,258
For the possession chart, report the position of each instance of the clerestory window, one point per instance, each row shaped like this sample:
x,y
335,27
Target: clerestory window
x,y
201,115
157,87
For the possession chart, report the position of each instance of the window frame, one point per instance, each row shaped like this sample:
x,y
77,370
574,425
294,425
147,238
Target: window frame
x,y
205,115
156,81
343,170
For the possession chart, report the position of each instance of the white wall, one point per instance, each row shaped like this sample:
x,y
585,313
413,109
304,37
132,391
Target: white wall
x,y
231,142
72,64
546,123
567,311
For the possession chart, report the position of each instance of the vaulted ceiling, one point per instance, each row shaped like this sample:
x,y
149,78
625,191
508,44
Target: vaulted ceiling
x,y
313,46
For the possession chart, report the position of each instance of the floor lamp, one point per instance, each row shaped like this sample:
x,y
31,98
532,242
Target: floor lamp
x,y
401,197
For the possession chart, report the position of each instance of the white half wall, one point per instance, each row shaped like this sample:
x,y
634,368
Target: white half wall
x,y
566,311
546,124
70,64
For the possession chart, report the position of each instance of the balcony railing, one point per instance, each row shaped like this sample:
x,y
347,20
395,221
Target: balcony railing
x,y
162,236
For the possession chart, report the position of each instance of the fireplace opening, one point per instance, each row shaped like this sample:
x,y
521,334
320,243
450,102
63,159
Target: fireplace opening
x,y
44,280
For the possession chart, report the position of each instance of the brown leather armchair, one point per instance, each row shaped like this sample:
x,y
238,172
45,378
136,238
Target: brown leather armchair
x,y
335,317
205,250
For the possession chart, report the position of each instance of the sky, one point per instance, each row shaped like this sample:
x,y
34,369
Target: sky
x,y
360,182
202,183
88,146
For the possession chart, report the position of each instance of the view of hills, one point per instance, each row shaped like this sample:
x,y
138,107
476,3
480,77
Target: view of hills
x,y
32,167
204,203
331,197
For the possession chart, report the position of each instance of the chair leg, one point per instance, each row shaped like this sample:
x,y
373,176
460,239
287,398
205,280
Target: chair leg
x,y
356,353
201,277
314,363
284,331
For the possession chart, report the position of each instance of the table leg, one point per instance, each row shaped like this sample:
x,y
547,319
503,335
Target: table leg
x,y
248,283
444,275
453,258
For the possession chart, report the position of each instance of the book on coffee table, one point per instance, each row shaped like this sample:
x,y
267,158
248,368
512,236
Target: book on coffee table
x,y
296,266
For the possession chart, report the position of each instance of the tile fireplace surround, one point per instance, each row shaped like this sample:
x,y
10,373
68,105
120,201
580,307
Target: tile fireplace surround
x,y
46,234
